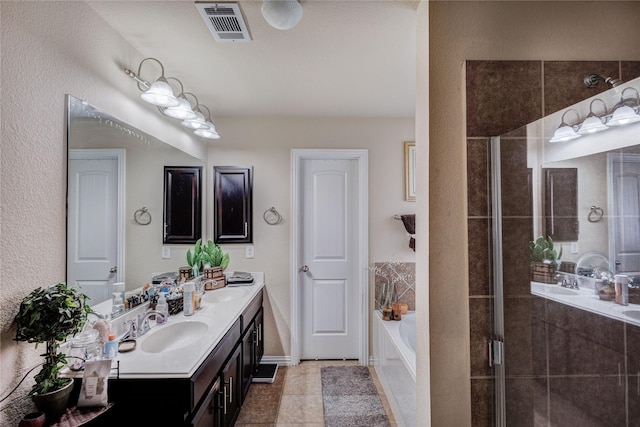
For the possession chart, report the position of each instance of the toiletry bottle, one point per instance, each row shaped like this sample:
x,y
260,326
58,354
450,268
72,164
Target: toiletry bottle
x,y
189,289
162,307
111,347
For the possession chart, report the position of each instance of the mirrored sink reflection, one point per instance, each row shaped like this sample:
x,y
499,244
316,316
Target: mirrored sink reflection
x,y
554,289
173,336
224,294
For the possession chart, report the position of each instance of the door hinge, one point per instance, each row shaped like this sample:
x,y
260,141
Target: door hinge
x,y
496,352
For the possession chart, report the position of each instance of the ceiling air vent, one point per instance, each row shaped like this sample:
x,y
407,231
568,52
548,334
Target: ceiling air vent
x,y
225,21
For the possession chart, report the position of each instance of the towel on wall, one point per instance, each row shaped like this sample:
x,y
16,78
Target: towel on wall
x,y
409,222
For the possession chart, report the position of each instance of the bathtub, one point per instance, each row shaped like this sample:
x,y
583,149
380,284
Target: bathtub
x,y
394,360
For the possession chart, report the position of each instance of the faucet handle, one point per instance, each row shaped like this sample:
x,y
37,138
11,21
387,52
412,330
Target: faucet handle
x,y
133,327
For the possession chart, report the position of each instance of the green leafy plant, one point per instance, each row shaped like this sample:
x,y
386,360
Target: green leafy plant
x,y
50,315
210,253
542,250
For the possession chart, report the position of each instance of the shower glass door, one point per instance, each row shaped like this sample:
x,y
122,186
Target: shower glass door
x,y
564,356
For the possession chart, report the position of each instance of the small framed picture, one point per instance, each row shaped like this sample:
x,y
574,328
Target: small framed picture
x,y
410,171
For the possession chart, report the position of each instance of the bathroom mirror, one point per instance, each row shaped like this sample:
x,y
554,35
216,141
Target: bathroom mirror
x,y
115,186
608,186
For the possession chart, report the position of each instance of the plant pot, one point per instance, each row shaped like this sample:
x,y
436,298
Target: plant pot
x,y
55,403
543,272
33,419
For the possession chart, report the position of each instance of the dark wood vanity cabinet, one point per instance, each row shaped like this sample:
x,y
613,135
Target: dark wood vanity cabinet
x,y
214,394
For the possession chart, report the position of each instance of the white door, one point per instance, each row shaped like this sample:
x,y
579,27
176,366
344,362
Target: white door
x,y
624,207
92,228
330,253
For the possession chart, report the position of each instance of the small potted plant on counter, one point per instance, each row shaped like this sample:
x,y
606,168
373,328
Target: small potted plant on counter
x,y
544,260
210,255
49,316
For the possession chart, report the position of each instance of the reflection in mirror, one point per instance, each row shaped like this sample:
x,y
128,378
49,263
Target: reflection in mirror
x,y
114,172
608,187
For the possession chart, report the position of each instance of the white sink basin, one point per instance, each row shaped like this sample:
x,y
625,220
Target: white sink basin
x,y
224,294
173,336
554,289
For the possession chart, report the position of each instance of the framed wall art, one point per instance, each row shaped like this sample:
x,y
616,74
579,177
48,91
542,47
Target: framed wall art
x,y
410,171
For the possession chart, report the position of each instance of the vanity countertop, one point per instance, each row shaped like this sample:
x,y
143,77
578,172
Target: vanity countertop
x,y
585,298
184,360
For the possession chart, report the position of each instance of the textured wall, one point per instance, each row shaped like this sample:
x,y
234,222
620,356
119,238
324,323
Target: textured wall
x,y
47,52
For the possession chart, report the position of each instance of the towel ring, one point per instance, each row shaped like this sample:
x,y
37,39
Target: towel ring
x,y
142,216
271,216
595,214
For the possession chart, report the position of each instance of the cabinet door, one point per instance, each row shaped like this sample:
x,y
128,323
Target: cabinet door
x,y
561,204
182,204
248,357
259,343
232,186
208,415
231,388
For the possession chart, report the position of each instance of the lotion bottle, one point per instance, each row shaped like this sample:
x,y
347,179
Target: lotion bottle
x,y
189,289
163,308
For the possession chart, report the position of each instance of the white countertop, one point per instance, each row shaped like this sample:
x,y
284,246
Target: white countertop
x,y
184,361
586,299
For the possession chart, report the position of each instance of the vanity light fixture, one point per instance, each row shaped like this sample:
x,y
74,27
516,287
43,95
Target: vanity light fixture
x,y
594,123
626,111
565,132
183,110
210,130
161,94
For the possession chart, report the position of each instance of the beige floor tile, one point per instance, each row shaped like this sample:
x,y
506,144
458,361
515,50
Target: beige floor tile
x,y
301,425
300,409
302,383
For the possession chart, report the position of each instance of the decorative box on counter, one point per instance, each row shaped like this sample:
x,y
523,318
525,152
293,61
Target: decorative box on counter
x,y
175,302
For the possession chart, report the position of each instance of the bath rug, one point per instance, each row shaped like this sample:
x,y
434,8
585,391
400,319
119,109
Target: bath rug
x,y
350,398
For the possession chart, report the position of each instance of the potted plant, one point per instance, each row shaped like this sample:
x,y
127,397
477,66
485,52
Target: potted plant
x,y
49,316
544,259
210,255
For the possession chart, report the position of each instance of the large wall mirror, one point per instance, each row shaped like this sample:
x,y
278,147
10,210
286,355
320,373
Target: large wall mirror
x,y
603,201
115,186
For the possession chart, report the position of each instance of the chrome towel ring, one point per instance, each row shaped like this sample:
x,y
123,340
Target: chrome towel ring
x,y
271,216
142,216
595,214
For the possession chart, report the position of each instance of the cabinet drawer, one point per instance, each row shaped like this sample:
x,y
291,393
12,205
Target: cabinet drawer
x,y
250,312
209,369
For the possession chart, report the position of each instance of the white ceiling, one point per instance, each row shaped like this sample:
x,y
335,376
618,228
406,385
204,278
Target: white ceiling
x,y
345,58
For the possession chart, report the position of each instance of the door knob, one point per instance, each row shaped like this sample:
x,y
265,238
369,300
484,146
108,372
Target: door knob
x,y
113,269
305,268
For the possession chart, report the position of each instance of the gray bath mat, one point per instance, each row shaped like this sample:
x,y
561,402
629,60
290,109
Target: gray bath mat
x,y
350,398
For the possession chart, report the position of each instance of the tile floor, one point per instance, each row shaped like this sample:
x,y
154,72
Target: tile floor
x,y
294,399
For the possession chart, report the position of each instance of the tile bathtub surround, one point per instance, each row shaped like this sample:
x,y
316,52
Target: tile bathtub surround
x,y
405,285
295,397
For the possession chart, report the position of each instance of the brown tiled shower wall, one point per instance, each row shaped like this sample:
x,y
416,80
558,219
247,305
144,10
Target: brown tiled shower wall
x,y
563,366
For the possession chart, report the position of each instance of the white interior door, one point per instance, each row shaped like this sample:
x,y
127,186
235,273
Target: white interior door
x,y
329,257
93,238
624,208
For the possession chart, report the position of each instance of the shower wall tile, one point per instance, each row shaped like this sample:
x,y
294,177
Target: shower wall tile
x,y
519,337
564,82
583,343
527,403
587,402
480,319
516,178
482,397
502,95
516,234
479,235
478,177
630,70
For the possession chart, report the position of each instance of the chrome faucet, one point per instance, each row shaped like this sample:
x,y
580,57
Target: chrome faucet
x,y
570,283
143,324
